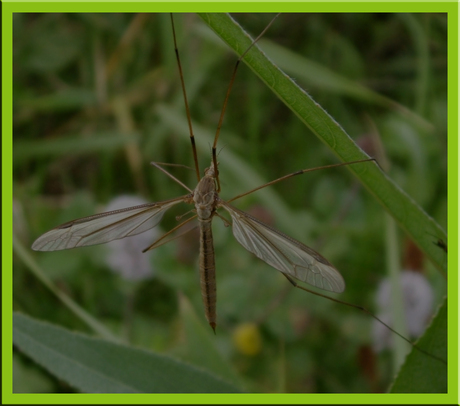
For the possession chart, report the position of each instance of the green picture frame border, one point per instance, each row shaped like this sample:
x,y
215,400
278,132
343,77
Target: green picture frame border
x,y
9,8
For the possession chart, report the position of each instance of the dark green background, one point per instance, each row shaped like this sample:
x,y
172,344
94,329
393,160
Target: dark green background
x,y
70,160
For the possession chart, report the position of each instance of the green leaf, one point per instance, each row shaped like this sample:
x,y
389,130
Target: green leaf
x,y
96,366
409,215
421,373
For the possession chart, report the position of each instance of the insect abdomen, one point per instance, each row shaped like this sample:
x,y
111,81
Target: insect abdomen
x,y
208,273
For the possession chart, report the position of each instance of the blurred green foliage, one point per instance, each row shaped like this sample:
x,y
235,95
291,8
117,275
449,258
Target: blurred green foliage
x,y
90,96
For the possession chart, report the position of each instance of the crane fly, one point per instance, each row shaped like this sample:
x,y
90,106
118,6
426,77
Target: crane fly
x,y
292,258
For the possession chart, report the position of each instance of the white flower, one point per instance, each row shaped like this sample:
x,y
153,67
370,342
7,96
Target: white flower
x,y
418,306
125,256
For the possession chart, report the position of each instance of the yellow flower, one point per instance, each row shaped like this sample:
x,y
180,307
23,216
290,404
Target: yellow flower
x,y
247,339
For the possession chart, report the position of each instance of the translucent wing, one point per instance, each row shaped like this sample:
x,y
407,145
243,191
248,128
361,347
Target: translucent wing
x,y
283,252
104,227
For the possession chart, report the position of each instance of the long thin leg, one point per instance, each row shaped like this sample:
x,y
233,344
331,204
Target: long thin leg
x,y
224,107
156,245
187,109
290,175
156,165
363,309
176,165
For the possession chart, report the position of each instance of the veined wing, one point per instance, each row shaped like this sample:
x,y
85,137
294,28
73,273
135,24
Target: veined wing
x,y
104,227
283,252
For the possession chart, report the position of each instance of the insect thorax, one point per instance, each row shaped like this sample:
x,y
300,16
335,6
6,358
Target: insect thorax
x,y
205,197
